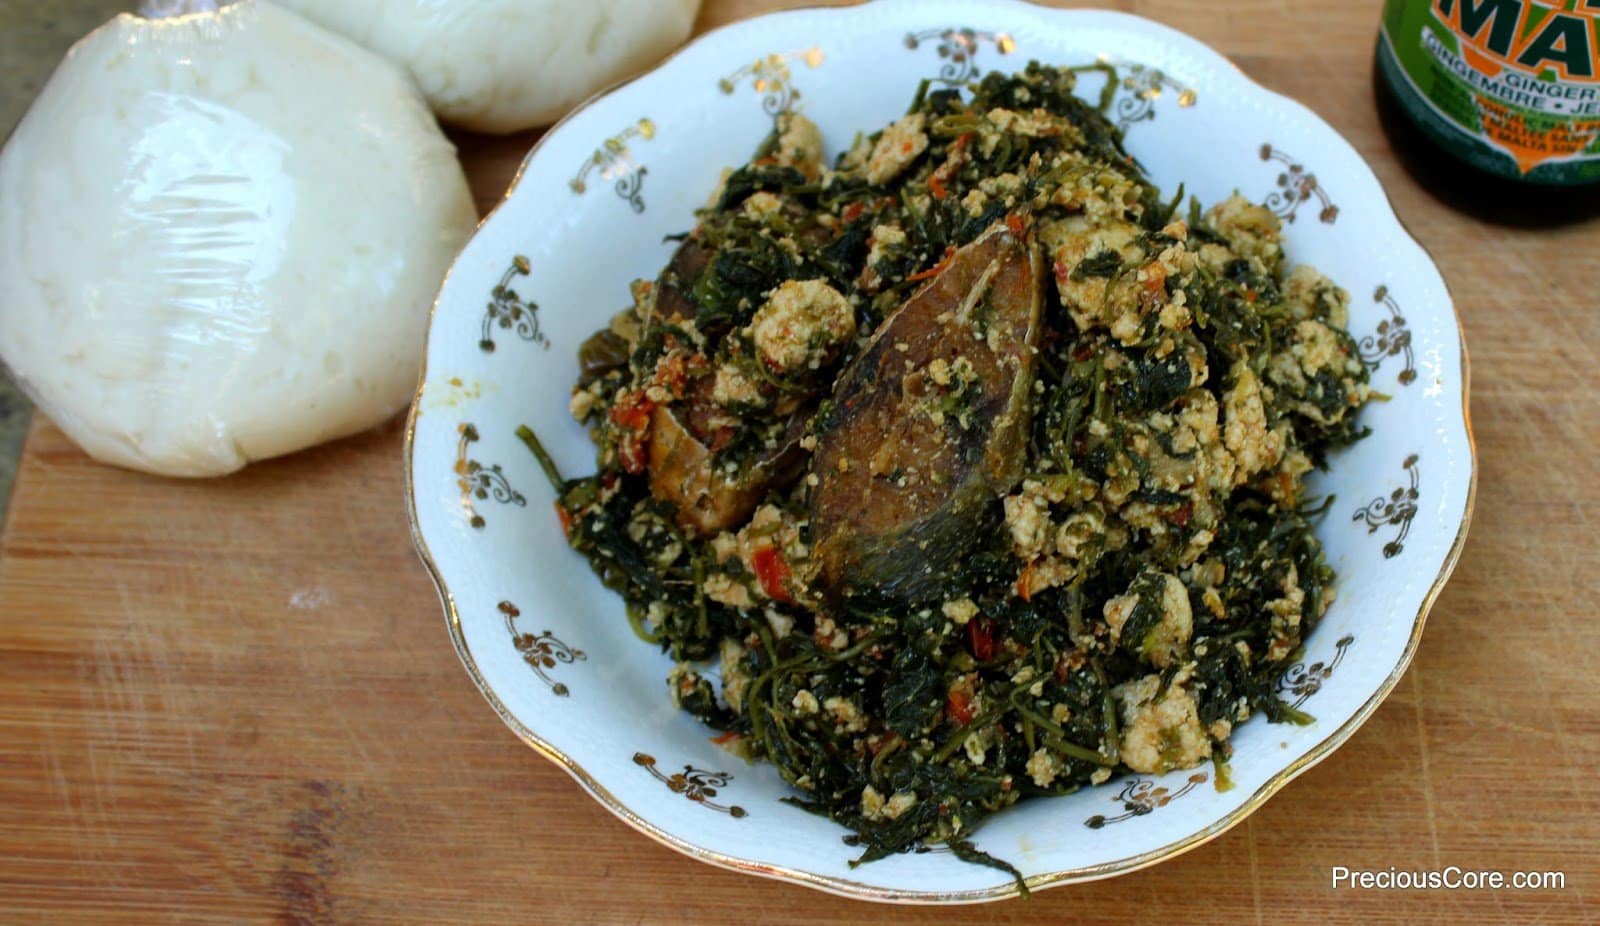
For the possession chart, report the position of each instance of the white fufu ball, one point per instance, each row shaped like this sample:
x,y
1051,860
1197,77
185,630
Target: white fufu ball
x,y
505,65
220,236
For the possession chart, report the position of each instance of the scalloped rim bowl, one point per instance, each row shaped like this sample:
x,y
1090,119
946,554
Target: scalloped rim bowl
x,y
550,648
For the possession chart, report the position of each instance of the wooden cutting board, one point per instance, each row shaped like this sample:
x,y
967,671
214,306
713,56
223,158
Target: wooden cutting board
x,y
236,700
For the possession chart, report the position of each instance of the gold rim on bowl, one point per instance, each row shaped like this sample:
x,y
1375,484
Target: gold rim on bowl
x,y
846,887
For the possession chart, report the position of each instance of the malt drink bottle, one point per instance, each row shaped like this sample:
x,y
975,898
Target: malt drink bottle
x,y
1495,104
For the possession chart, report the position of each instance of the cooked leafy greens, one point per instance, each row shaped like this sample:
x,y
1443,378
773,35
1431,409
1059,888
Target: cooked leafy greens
x,y
1078,424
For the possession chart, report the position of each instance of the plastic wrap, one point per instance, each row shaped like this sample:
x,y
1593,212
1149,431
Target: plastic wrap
x,y
504,65
161,9
220,239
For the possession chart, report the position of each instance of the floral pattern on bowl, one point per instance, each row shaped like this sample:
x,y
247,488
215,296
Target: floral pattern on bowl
x,y
561,666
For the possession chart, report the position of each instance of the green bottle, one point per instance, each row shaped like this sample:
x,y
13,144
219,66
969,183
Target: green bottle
x,y
1509,87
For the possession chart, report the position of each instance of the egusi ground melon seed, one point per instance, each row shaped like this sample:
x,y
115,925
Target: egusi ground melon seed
x,y
970,468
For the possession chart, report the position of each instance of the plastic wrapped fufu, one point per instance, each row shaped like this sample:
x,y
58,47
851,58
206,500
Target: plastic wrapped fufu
x,y
220,235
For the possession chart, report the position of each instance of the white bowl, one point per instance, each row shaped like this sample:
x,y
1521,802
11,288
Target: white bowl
x,y
551,649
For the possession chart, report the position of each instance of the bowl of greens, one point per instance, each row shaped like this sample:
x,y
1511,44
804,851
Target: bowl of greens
x,y
880,449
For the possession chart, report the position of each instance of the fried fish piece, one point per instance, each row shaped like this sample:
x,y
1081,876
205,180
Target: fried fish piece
x,y
680,457
929,424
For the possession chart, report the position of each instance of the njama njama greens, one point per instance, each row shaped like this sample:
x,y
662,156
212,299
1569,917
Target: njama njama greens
x,y
966,469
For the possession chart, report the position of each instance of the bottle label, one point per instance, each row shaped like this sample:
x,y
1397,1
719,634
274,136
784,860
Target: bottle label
x,y
1510,85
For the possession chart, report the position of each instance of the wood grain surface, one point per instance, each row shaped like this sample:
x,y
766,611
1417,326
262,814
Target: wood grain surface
x,y
235,701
